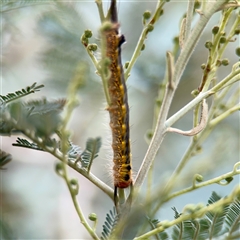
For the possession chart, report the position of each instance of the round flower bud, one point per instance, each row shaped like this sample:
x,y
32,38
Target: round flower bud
x,y
237,31
88,33
223,40
208,44
215,30
92,217
92,47
147,14
126,64
237,51
150,27
225,62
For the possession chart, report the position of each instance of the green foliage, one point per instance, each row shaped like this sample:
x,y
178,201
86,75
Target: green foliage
x,y
39,117
90,153
190,229
161,235
73,151
109,224
15,116
232,221
224,221
20,93
4,158
21,142
216,218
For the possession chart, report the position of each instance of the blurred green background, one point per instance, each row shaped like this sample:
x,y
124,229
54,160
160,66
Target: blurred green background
x,y
41,43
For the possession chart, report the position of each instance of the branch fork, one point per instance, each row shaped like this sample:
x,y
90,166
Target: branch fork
x,y
202,124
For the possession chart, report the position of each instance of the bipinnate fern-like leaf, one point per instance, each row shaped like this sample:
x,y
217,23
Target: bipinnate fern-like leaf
x,y
90,153
204,229
20,93
191,230
224,222
216,218
109,224
74,151
185,230
40,117
4,158
162,235
21,142
8,105
232,221
44,106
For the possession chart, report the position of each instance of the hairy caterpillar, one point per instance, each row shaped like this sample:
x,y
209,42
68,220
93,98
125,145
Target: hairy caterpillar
x,y
118,108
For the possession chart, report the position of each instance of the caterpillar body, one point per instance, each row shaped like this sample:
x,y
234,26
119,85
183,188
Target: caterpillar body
x,y
118,108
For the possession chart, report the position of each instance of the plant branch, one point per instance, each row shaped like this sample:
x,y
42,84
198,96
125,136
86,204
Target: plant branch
x,y
182,33
217,180
221,117
228,5
193,145
170,68
142,38
230,35
199,127
93,58
92,178
233,77
196,117
188,19
100,10
230,79
179,68
63,172
20,93
196,213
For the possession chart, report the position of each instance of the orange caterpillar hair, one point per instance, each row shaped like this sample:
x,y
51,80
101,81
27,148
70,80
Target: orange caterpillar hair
x,y
118,109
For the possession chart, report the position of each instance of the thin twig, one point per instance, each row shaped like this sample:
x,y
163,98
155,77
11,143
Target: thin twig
x,y
194,143
160,126
92,178
221,117
142,38
199,127
215,180
73,188
188,19
182,33
198,213
228,5
170,67
100,10
179,68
